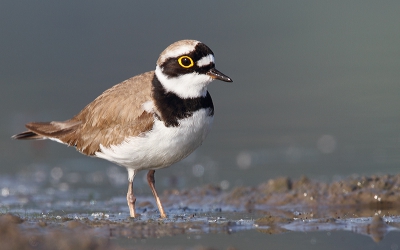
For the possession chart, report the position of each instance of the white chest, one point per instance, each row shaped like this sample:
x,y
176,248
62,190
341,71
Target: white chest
x,y
161,146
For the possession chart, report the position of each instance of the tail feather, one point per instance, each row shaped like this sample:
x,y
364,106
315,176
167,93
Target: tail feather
x,y
28,135
44,130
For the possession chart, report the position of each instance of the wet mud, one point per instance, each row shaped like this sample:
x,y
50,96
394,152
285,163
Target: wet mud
x,y
364,205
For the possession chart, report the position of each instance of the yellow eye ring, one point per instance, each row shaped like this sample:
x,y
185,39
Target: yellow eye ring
x,y
186,62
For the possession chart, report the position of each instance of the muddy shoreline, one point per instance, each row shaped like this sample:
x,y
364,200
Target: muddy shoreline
x,y
366,205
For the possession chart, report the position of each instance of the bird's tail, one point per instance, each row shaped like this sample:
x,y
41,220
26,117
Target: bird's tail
x,y
27,135
47,130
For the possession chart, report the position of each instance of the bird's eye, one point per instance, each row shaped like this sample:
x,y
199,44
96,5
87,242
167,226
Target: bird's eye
x,y
185,62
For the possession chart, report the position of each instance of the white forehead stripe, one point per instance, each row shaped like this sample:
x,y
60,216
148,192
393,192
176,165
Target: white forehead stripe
x,y
178,51
206,60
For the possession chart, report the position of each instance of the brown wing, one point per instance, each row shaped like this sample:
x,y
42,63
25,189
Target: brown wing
x,y
108,120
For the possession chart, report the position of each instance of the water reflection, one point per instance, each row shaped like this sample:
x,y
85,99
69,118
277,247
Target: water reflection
x,y
376,227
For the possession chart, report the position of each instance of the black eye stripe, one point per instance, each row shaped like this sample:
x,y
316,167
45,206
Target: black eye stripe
x,y
172,68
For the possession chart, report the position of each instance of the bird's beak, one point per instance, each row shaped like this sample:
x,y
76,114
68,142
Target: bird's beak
x,y
215,74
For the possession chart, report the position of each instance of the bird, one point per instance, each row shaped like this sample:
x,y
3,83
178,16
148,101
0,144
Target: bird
x,y
147,122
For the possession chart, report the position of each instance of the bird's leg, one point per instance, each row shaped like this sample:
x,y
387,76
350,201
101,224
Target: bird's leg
x,y
130,197
151,181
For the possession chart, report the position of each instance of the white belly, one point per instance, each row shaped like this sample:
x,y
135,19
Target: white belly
x,y
161,146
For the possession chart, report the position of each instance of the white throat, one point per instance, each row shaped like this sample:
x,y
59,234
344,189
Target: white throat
x,y
185,86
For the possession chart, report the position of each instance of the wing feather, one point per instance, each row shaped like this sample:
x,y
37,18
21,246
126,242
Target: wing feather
x,y
116,114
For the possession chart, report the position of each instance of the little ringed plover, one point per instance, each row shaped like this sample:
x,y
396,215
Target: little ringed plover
x,y
147,122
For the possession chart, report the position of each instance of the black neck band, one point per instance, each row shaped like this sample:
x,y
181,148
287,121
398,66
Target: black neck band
x,y
172,108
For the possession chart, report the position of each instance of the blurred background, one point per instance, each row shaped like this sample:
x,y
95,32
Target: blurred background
x,y
315,92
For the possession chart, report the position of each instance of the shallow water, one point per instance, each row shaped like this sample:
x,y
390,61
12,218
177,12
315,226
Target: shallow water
x,y
203,217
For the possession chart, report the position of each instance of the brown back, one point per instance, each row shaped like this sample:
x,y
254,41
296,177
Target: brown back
x,y
108,120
